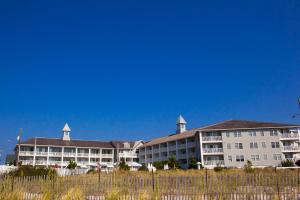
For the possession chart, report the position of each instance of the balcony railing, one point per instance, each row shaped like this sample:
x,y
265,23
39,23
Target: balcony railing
x,y
41,153
211,138
82,154
95,155
172,148
287,136
52,162
214,162
26,153
27,162
191,144
67,154
290,148
181,146
213,150
41,162
55,154
107,155
163,149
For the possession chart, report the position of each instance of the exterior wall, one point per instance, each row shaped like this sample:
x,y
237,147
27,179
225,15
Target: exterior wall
x,y
183,149
260,155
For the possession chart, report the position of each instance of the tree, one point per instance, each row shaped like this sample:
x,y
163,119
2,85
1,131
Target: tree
x,y
248,167
193,163
72,165
173,162
123,165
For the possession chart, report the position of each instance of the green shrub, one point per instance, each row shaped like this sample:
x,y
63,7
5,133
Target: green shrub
x,y
123,166
143,168
72,165
193,163
28,170
160,164
287,163
218,168
172,162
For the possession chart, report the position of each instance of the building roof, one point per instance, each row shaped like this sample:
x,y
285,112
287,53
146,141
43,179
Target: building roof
x,y
173,137
244,124
120,144
226,125
71,143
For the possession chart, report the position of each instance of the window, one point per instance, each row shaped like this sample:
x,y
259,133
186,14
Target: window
x,y
262,133
253,145
227,134
252,133
240,158
277,156
228,146
230,158
265,157
255,157
275,145
239,145
263,144
237,134
273,133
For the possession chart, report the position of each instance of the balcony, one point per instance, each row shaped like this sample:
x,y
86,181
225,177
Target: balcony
x,y
27,162
156,150
128,155
69,154
107,155
289,136
163,149
26,153
55,154
41,153
52,162
172,148
214,162
181,146
191,144
83,162
213,150
290,149
41,162
182,156
82,154
95,155
212,138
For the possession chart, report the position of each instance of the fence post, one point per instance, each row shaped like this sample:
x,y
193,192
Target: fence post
x,y
277,184
12,182
153,181
206,180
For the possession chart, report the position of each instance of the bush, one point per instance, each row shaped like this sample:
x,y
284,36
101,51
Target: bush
x,y
172,162
159,164
193,163
28,170
92,171
123,166
218,168
143,168
287,163
248,167
72,165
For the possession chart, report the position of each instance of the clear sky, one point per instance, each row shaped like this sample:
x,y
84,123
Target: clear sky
x,y
127,69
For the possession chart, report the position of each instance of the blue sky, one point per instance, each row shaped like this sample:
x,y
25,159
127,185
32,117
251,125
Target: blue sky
x,y
127,69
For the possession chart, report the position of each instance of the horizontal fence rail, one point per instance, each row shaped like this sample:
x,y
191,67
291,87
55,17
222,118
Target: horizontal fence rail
x,y
256,186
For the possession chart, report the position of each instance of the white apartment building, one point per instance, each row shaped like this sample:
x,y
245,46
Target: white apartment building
x,y
59,151
229,143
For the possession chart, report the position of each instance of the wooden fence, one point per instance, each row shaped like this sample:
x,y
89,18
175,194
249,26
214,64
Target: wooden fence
x,y
261,186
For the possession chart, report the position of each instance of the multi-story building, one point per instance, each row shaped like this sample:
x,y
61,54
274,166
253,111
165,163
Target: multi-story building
x,y
229,143
59,151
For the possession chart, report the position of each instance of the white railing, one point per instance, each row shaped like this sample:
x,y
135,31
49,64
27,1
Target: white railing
x,y
41,153
26,153
289,136
95,155
214,162
107,155
41,162
128,155
67,154
82,154
290,148
27,162
83,162
55,154
212,138
181,156
213,150
156,150
51,162
173,147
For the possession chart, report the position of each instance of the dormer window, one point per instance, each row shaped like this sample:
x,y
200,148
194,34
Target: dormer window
x,y
126,145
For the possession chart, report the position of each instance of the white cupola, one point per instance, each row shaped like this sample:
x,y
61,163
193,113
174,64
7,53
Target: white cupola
x,y
66,132
181,124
